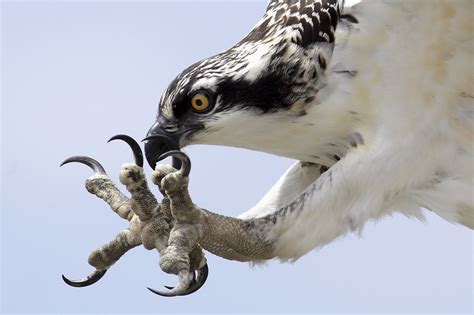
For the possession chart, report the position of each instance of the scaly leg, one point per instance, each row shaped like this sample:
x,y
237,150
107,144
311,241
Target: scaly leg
x,y
182,254
193,228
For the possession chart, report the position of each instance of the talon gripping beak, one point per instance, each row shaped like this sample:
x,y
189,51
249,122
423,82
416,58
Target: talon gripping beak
x,y
90,279
93,164
182,157
137,151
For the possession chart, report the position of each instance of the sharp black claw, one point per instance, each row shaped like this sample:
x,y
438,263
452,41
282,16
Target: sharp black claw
x,y
90,279
193,280
160,293
137,151
201,278
197,282
93,164
183,157
185,280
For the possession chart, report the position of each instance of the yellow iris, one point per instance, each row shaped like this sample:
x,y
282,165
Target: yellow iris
x,y
200,102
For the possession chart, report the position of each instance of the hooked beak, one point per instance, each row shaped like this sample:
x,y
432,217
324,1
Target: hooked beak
x,y
159,140
165,136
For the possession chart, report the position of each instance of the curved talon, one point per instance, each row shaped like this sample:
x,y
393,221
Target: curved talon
x,y
182,288
137,151
193,280
90,279
93,164
183,157
197,282
201,278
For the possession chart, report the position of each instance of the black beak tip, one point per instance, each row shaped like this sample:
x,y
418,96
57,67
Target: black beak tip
x,y
151,154
156,144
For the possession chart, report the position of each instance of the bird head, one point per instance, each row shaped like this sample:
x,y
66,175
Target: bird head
x,y
247,97
253,95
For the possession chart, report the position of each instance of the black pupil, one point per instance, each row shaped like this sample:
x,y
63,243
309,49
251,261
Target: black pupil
x,y
199,102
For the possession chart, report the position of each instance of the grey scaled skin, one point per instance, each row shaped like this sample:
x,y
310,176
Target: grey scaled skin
x,y
150,222
176,227
227,237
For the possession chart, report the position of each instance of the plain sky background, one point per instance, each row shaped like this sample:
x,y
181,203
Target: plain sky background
x,y
76,73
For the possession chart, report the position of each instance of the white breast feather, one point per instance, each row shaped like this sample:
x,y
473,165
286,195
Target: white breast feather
x,y
414,96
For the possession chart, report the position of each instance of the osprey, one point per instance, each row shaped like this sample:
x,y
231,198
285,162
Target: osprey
x,y
375,101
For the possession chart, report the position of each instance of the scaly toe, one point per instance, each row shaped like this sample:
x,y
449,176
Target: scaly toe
x,y
130,174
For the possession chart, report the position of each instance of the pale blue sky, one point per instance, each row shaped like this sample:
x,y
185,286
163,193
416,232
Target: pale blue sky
x,y
76,73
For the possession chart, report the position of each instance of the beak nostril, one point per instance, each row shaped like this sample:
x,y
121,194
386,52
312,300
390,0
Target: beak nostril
x,y
171,128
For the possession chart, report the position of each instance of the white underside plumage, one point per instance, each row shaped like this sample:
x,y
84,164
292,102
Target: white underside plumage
x,y
412,101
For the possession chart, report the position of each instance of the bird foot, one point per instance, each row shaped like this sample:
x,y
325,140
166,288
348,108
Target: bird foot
x,y
151,223
183,253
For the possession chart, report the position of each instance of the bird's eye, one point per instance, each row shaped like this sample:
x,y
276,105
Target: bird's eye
x,y
200,102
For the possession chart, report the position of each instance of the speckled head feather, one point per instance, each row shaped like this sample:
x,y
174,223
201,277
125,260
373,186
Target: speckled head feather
x,y
275,66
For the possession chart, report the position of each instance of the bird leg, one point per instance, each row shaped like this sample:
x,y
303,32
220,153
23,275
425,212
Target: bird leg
x,y
193,228
150,222
156,226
